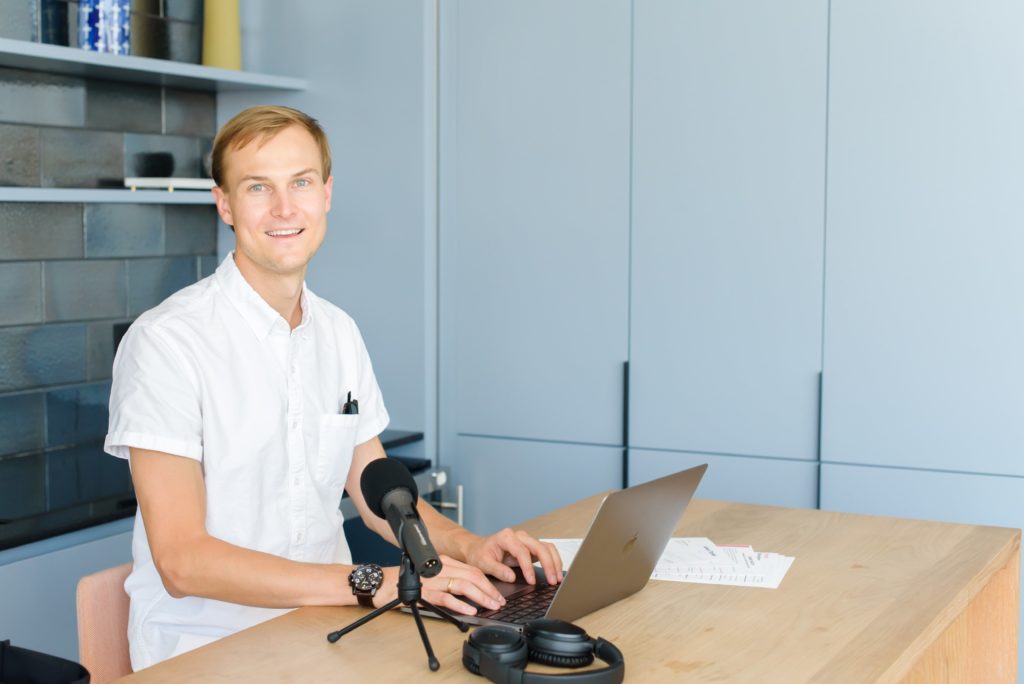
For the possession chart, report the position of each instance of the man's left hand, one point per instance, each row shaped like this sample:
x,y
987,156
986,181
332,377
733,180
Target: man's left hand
x,y
497,554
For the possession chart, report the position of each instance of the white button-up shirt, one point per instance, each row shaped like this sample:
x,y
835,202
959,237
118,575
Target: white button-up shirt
x,y
215,374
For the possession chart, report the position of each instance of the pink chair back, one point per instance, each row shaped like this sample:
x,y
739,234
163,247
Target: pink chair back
x,y
103,624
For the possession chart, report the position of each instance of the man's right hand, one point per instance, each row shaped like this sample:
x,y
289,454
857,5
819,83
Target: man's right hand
x,y
456,579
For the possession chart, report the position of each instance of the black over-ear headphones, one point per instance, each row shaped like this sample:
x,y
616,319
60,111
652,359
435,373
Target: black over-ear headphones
x,y
500,654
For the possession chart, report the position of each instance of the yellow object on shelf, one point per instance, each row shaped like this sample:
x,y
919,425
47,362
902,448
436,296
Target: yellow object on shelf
x,y
222,42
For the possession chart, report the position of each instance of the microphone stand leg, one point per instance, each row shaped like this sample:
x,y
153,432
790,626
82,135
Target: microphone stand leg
x,y
432,662
334,636
443,612
409,594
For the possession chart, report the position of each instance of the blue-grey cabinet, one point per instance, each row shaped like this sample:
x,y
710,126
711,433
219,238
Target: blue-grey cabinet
x,y
924,330
508,481
534,202
768,481
727,235
650,188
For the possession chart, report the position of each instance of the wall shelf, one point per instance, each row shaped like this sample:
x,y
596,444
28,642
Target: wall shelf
x,y
111,195
68,61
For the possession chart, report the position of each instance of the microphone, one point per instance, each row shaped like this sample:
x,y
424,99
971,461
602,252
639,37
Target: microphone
x,y
391,493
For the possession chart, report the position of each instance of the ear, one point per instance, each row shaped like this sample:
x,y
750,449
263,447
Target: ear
x,y
223,207
328,189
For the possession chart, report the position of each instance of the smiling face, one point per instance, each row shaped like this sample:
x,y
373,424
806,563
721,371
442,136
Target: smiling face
x,y
275,197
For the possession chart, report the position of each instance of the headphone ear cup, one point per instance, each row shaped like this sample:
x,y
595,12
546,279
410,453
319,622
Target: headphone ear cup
x,y
558,643
490,650
471,664
545,658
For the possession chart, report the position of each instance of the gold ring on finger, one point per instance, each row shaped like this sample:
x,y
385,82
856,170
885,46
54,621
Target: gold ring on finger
x,y
451,580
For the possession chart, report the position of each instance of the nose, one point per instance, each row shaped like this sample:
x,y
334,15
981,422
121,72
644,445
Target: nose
x,y
282,206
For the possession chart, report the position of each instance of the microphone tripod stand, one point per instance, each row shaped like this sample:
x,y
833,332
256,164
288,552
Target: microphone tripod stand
x,y
409,594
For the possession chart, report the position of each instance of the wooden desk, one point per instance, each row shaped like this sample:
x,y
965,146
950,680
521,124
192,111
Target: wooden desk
x,y
868,599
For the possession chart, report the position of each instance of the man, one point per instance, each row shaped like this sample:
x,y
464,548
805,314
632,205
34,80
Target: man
x,y
227,399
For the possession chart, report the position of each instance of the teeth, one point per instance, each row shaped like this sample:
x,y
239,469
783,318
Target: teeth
x,y
279,233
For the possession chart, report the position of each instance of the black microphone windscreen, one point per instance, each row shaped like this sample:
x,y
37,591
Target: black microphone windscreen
x,y
381,476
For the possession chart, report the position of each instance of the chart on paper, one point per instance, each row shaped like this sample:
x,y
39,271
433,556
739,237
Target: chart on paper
x,y
700,560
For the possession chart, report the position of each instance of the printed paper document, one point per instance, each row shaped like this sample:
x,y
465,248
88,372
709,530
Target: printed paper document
x,y
698,559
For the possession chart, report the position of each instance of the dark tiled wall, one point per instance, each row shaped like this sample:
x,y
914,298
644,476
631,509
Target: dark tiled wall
x,y
73,275
62,131
67,287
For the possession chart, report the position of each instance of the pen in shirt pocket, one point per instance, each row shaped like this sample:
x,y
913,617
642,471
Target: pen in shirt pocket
x,y
351,407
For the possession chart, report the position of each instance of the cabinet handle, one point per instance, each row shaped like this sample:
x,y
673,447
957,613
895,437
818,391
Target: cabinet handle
x,y
821,401
454,505
625,424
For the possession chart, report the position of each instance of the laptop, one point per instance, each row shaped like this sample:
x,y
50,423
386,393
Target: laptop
x,y
627,537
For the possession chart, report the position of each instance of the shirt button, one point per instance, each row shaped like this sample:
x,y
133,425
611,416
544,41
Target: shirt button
x,y
295,424
295,481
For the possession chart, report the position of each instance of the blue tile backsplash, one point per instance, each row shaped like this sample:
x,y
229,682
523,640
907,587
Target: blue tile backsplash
x,y
40,231
77,414
124,230
21,283
41,99
153,280
110,106
22,422
40,356
24,485
78,158
19,163
74,275
77,290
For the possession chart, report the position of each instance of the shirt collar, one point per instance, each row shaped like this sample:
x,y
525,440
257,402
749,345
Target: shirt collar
x,y
260,316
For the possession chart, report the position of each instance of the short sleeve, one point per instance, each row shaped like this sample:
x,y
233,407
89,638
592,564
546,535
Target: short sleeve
x,y
373,417
154,399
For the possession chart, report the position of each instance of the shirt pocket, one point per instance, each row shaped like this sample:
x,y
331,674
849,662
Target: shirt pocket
x,y
334,451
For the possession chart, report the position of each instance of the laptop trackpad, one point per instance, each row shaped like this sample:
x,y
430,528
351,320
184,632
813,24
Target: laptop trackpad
x,y
520,585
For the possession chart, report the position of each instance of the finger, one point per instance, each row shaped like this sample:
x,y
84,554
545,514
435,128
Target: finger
x,y
490,561
460,574
559,567
467,588
514,546
449,601
551,561
476,578
546,554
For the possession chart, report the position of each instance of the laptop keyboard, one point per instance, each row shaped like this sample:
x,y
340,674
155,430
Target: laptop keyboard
x,y
522,608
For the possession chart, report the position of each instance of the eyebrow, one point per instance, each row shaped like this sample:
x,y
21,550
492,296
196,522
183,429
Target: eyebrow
x,y
303,172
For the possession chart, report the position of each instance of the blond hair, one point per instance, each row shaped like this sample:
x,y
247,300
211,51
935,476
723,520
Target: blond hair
x,y
259,123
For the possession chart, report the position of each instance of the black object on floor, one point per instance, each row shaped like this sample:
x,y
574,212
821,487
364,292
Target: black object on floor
x,y
23,666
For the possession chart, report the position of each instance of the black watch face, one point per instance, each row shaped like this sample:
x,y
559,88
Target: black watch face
x,y
366,578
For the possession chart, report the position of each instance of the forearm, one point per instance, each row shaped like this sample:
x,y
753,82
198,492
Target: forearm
x,y
212,568
448,537
493,554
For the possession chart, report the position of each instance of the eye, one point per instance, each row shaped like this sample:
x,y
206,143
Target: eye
x,y
303,183
257,187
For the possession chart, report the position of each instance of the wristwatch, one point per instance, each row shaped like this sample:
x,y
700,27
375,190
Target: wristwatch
x,y
365,580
